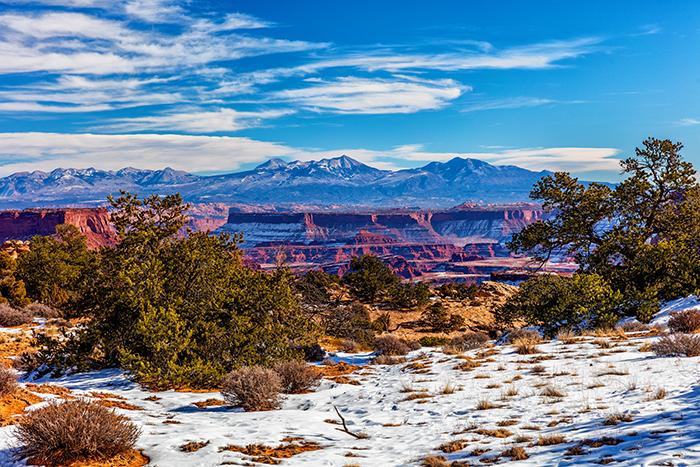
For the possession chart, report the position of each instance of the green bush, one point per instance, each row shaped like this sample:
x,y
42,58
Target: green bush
x,y
457,290
553,302
350,322
369,279
179,311
55,268
314,287
433,341
641,236
409,295
12,289
438,319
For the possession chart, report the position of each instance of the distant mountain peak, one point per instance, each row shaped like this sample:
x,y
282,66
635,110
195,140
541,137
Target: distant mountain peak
x,y
331,180
272,164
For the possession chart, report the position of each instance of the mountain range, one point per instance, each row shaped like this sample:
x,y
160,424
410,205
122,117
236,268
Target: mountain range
x,y
334,181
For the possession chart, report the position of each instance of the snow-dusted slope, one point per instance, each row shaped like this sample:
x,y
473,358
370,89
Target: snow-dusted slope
x,y
596,382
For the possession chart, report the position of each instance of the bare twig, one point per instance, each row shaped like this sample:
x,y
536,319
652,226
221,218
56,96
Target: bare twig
x,y
345,427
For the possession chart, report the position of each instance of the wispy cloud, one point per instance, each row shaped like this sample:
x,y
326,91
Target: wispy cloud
x,y
46,151
195,121
90,45
154,11
353,95
688,122
508,103
569,159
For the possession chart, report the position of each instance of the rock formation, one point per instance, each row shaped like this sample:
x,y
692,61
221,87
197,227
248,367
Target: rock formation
x,y
413,242
23,225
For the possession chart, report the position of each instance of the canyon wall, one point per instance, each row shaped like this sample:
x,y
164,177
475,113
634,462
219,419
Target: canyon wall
x,y
455,226
94,223
421,242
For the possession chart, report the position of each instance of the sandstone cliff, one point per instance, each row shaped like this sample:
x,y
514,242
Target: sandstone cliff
x,y
23,225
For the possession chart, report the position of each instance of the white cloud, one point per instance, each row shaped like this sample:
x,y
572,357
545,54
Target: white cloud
x,y
569,159
154,11
37,107
51,25
688,122
353,95
46,151
195,121
508,103
90,45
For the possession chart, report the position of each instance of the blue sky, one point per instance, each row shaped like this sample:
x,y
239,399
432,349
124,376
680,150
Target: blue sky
x,y
219,86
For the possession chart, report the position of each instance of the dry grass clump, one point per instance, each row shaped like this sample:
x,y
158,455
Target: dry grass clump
x,y
566,336
352,346
677,345
448,388
253,388
42,311
8,382
390,345
64,432
467,341
509,422
633,326
453,446
659,394
497,433
516,453
388,360
552,391
468,365
617,418
538,369
550,440
193,446
417,395
523,333
526,345
435,461
297,377
686,321
602,343
10,317
612,371
485,404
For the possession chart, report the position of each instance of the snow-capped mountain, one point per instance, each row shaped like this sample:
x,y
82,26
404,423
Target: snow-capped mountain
x,y
338,180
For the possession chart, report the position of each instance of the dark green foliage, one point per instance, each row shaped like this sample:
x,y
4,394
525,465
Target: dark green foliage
x,y
642,237
54,269
369,279
314,287
457,290
180,311
554,302
438,319
12,289
409,295
433,341
350,322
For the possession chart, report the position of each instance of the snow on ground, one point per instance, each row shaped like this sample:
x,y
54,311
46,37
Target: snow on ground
x,y
687,303
597,382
